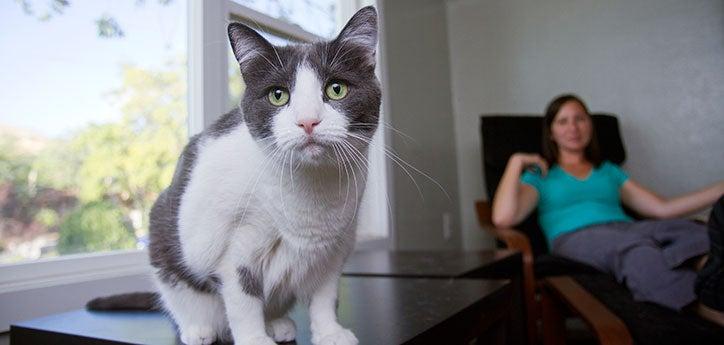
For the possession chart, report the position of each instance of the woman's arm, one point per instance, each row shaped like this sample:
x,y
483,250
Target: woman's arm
x,y
514,200
649,204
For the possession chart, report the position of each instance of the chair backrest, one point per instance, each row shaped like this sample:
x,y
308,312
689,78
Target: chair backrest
x,y
504,135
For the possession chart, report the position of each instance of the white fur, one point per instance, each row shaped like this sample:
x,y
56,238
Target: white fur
x,y
289,212
198,315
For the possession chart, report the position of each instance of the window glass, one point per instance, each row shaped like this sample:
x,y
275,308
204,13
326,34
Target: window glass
x,y
93,104
316,16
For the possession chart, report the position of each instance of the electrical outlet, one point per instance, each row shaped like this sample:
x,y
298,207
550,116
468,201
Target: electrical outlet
x,y
446,226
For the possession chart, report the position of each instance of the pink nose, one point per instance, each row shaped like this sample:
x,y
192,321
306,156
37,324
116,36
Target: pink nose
x,y
308,124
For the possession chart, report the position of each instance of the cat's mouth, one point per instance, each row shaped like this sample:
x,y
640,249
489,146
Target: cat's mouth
x,y
312,147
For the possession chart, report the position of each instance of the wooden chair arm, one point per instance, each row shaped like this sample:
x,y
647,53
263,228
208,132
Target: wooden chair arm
x,y
608,327
512,238
519,241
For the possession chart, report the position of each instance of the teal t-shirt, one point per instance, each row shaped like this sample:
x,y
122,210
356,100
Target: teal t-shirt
x,y
566,203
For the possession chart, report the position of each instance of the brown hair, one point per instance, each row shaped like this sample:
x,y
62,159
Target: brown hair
x,y
550,148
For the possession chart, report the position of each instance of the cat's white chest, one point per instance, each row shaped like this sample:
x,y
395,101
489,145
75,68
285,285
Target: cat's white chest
x,y
316,204
299,270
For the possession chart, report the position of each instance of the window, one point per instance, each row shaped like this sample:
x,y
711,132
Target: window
x,y
319,17
94,103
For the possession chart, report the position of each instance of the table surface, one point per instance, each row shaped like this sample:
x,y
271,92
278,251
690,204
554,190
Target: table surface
x,y
378,310
433,264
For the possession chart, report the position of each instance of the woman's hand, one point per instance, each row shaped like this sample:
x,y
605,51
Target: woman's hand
x,y
525,160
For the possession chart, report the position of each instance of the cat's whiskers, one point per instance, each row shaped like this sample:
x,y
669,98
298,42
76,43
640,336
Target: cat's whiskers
x,y
354,177
399,161
354,165
339,171
361,159
291,170
281,190
367,165
393,158
386,125
338,153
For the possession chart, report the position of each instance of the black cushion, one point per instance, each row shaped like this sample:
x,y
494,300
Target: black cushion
x,y
504,135
547,265
650,323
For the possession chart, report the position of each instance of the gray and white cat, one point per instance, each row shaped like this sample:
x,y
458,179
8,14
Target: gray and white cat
x,y
261,210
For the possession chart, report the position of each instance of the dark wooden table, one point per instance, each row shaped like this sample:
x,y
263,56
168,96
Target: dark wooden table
x,y
378,310
483,264
486,264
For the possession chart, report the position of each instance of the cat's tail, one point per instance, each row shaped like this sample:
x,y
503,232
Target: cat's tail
x,y
144,301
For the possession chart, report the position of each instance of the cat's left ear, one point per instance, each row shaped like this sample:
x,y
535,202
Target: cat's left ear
x,y
248,44
361,31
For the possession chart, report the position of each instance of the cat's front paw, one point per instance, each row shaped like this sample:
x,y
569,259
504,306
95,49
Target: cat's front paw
x,y
282,329
198,335
340,337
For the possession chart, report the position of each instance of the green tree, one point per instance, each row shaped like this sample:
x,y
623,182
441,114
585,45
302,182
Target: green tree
x,y
132,160
96,226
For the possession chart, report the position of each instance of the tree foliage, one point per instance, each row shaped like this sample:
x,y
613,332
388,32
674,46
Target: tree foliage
x,y
130,161
96,226
115,169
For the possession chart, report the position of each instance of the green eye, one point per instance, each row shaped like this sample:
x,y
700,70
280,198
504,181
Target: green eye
x,y
336,90
278,96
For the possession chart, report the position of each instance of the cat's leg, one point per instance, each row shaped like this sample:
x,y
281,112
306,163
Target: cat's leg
x,y
198,315
243,294
281,329
322,313
278,326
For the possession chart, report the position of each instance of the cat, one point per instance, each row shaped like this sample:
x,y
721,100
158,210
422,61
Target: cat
x,y
260,213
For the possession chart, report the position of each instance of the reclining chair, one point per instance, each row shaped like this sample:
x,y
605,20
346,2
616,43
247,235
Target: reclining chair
x,y
554,286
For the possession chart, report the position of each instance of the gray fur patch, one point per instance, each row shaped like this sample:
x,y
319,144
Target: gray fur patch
x,y
165,246
250,283
227,123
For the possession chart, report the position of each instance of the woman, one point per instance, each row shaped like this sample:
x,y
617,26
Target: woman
x,y
579,200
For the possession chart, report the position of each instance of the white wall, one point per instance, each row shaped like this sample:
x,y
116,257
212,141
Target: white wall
x,y
418,103
658,64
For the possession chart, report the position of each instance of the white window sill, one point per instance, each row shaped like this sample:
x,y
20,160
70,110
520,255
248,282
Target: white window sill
x,y
48,286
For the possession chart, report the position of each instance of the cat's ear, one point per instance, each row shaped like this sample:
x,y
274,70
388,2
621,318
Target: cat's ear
x,y
361,31
247,44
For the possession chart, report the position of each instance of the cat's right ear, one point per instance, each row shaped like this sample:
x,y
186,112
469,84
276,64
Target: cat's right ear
x,y
247,44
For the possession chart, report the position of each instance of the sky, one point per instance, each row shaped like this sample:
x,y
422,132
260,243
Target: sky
x,y
56,75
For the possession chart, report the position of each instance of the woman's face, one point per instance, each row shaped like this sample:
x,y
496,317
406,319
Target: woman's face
x,y
571,128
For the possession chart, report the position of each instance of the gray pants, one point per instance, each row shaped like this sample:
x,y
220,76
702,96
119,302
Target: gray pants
x,y
647,256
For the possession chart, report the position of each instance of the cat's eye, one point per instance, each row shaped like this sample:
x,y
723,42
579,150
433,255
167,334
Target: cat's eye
x,y
278,96
336,90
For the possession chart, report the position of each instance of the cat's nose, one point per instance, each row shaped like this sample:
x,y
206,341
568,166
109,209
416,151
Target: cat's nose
x,y
308,124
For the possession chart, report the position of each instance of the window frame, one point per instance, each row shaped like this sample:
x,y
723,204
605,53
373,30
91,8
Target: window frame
x,y
71,275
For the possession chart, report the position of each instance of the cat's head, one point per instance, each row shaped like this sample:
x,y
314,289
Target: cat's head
x,y
311,100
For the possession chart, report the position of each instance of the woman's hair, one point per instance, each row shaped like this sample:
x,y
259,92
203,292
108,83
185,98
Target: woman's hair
x,y
550,148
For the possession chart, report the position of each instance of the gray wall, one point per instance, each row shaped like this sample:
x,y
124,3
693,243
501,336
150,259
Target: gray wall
x,y
419,103
658,64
